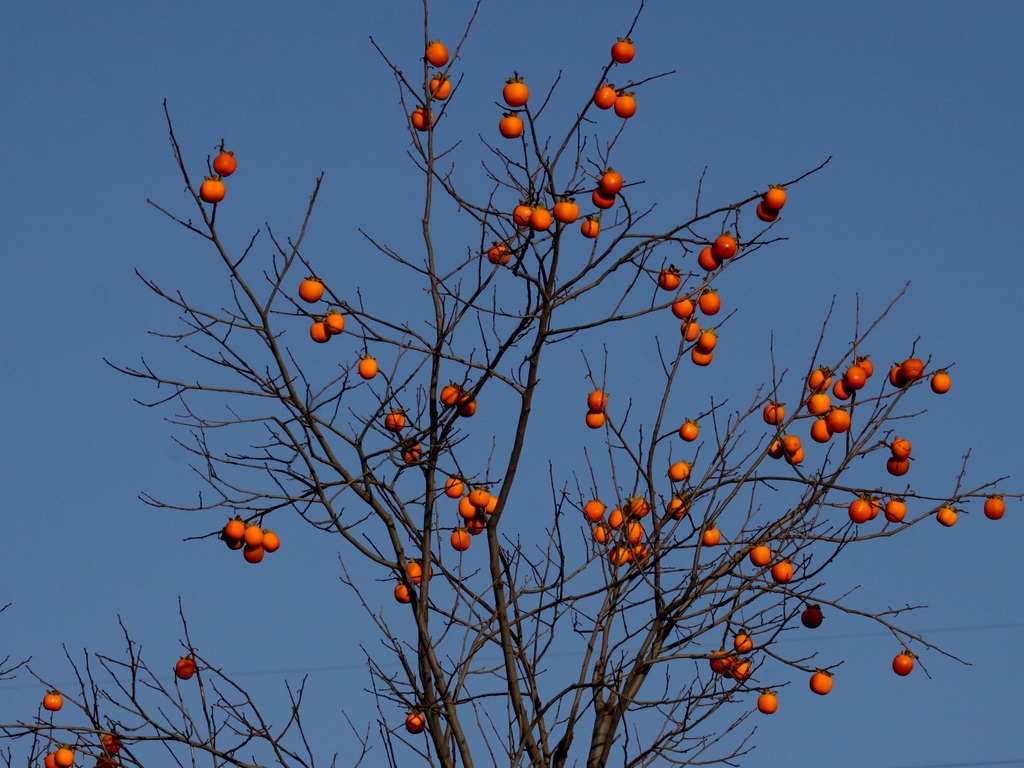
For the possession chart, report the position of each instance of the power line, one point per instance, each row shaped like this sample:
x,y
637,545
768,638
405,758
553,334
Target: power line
x,y
848,636
1018,761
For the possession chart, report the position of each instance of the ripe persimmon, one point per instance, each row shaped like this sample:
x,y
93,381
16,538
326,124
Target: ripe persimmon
x,y
479,497
415,722
395,421
64,757
521,214
436,53
941,382
860,510
855,377
540,219
668,279
53,701
821,682
602,199
253,535
212,190
895,510
838,420
743,642
625,105
449,394
820,430
760,555
741,670
819,403
677,507
775,198
711,537
812,617
721,661
185,668
511,125
709,301
619,556
900,448
466,405
994,507
706,259
402,593
111,743
773,413
604,96
412,452
764,213
623,50
634,532
454,487
679,471
516,93
476,524
791,444
234,528
946,516
460,539
225,164
782,572
319,332
311,290
689,430
700,357
590,227
903,663
897,467
335,322
912,368
597,400
610,182
896,377
841,390
368,367
593,510
440,86
768,703
683,308
724,247
414,570
819,379
595,419
253,553
421,119
271,542
615,518
637,506
565,211
466,510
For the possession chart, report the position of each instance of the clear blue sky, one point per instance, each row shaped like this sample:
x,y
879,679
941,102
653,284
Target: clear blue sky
x,y
917,103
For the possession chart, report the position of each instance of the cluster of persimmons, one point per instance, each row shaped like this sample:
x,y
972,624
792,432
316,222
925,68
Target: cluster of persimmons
x,y
213,189
253,540
827,398
622,529
63,756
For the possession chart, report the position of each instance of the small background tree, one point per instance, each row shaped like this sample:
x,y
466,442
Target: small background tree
x,y
787,274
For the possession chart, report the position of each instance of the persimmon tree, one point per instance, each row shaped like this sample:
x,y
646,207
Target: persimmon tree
x,y
684,537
